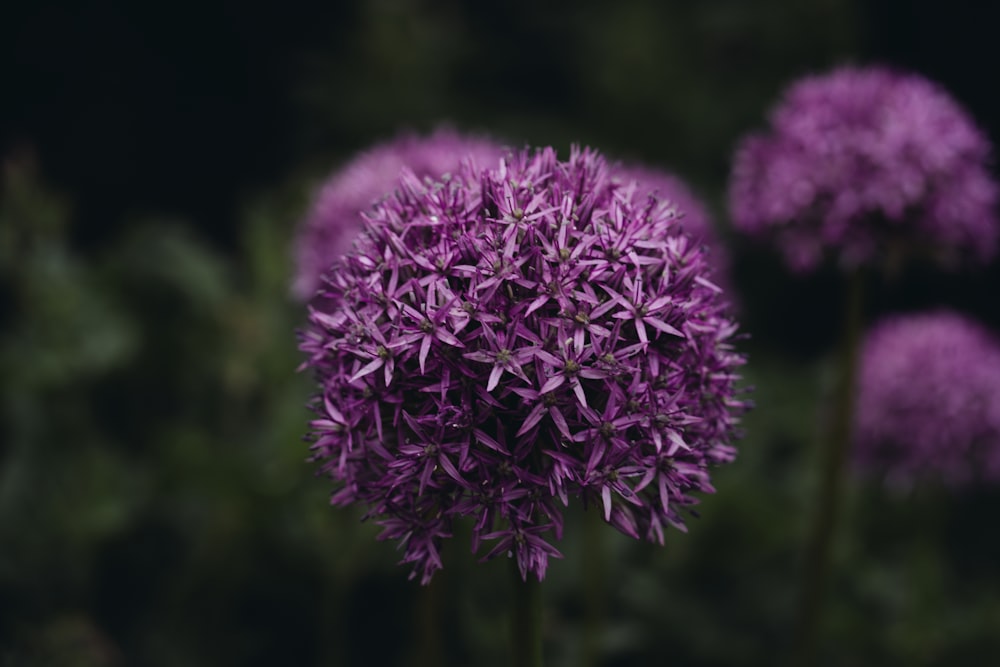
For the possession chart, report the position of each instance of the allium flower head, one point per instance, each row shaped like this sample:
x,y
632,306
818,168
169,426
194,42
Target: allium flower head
x,y
694,216
503,340
928,401
334,219
861,160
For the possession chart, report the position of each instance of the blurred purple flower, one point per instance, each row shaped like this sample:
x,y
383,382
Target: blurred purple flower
x,y
863,160
928,399
501,340
334,219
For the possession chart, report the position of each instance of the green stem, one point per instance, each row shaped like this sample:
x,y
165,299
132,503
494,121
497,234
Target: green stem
x,y
429,620
526,620
593,580
816,571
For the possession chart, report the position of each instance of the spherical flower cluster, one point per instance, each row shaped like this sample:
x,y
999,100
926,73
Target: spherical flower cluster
x,y
334,218
863,161
694,216
928,401
500,341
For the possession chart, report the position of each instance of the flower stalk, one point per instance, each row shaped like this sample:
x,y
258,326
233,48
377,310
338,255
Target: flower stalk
x,y
526,619
593,587
819,549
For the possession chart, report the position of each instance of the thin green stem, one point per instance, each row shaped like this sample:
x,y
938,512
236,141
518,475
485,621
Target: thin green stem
x,y
818,556
593,585
429,619
526,620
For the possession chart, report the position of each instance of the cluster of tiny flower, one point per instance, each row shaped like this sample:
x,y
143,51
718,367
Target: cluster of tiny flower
x,y
334,218
502,340
859,162
929,399
695,220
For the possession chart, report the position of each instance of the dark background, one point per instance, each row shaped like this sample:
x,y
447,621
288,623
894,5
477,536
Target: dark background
x,y
184,108
154,507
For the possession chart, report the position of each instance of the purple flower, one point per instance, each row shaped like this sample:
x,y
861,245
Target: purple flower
x,y
928,401
694,216
334,219
502,340
859,162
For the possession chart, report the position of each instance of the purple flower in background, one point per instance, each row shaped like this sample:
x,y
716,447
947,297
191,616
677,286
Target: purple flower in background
x,y
861,161
695,218
928,401
502,340
334,219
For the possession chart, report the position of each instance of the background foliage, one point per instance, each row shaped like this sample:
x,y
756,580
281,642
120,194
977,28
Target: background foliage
x,y
155,508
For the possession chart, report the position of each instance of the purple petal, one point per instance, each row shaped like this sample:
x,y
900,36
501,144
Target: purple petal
x,y
494,378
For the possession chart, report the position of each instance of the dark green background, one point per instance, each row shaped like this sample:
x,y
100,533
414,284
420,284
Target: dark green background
x,y
155,507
